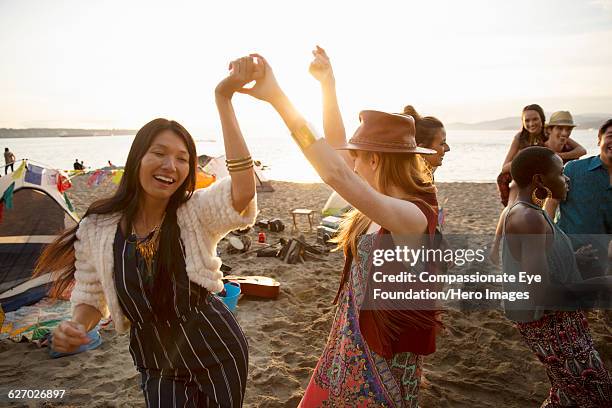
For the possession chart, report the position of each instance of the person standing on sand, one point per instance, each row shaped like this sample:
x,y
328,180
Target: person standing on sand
x,y
586,214
9,160
550,322
372,357
147,257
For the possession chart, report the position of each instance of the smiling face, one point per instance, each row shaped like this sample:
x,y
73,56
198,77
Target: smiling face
x,y
559,134
532,122
164,166
605,147
439,145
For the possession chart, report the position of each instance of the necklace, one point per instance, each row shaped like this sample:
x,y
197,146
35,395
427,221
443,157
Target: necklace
x,y
147,248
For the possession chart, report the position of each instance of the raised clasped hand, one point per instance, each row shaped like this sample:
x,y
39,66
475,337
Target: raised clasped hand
x,y
320,66
241,72
266,87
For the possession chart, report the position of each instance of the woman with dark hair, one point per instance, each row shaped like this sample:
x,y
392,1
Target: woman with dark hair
x,y
146,256
430,133
373,357
532,133
550,321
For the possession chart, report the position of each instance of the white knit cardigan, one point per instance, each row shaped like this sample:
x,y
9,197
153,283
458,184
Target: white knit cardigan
x,y
203,221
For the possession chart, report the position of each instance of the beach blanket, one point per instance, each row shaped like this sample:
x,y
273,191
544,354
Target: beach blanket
x,y
34,323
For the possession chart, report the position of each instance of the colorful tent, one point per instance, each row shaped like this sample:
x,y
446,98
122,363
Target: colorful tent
x,y
33,211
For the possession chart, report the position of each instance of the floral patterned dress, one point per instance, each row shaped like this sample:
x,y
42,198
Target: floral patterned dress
x,y
348,373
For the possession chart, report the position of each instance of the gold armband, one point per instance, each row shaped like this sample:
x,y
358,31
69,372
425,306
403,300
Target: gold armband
x,y
230,162
246,166
234,165
303,136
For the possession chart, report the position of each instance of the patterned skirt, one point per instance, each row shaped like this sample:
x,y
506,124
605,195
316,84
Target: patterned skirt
x,y
562,342
349,374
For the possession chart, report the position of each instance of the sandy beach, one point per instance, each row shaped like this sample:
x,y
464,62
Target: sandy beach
x,y
480,360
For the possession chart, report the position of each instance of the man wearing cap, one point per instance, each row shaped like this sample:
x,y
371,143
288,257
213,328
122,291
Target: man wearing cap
x,y
558,130
586,213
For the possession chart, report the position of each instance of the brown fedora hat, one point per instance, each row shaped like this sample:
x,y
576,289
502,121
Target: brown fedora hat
x,y
561,118
385,132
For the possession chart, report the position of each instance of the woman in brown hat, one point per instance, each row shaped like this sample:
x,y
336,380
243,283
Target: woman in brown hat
x,y
373,357
430,132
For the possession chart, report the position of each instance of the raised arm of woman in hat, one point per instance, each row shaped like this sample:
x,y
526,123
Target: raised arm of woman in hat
x,y
333,126
395,215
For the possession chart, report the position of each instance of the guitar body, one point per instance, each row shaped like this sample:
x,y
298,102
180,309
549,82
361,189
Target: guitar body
x,y
258,286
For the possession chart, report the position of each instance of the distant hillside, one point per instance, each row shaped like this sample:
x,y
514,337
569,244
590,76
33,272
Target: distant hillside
x,y
585,121
41,132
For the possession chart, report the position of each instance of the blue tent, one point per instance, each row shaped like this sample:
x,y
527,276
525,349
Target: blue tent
x,y
34,213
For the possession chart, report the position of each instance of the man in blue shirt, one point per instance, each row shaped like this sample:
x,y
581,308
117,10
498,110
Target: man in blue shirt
x,y
586,214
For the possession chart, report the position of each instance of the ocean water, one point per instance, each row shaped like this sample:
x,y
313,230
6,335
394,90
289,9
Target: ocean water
x,y
475,156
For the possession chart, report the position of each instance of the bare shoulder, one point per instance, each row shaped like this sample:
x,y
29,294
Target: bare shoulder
x,y
526,220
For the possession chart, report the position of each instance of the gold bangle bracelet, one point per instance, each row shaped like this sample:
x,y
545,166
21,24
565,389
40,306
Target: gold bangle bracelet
x,y
230,169
246,163
238,161
235,169
303,136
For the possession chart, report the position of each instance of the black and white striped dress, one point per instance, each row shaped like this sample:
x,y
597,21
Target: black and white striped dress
x,y
199,356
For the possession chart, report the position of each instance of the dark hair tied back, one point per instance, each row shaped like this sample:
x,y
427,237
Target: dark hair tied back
x,y
409,110
426,126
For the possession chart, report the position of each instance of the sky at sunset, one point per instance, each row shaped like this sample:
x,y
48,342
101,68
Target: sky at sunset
x,y
115,64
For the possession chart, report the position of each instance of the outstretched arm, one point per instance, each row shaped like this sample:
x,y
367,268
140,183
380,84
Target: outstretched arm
x,y
243,71
333,126
577,150
395,215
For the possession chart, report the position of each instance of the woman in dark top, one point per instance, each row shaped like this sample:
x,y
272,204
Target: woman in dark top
x,y
550,322
196,353
146,257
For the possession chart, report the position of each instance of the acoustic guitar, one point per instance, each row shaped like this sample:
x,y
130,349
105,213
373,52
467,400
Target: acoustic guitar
x,y
258,286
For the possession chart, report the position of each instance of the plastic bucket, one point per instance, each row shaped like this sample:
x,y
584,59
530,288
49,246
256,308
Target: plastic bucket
x,y
232,293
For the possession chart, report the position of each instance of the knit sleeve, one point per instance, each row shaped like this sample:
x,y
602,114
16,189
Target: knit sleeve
x,y
87,288
215,210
